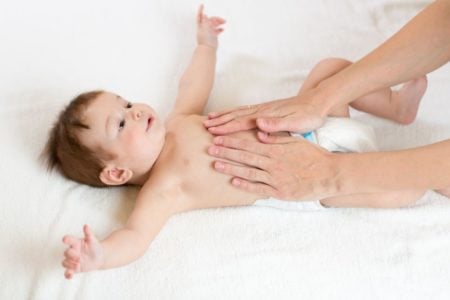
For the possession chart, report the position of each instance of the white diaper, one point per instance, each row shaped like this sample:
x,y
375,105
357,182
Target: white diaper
x,y
336,135
344,135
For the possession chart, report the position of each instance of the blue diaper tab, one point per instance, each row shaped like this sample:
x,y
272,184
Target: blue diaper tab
x,y
308,136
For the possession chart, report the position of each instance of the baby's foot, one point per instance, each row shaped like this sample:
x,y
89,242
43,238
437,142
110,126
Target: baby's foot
x,y
407,99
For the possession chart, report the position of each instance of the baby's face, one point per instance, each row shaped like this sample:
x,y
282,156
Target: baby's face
x,y
132,132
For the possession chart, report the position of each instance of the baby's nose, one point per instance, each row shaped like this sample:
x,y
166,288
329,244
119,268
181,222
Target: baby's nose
x,y
137,114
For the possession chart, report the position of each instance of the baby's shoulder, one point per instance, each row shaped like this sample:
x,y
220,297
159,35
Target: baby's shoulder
x,y
180,124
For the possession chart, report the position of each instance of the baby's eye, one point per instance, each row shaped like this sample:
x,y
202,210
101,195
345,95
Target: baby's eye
x,y
121,125
129,105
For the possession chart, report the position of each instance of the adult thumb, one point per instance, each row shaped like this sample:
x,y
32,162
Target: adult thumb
x,y
276,124
273,124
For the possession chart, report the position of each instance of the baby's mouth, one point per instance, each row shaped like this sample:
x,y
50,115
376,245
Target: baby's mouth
x,y
149,123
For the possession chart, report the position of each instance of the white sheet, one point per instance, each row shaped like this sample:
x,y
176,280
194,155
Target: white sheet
x,y
52,50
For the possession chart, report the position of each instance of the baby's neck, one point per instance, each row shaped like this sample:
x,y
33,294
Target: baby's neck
x,y
140,179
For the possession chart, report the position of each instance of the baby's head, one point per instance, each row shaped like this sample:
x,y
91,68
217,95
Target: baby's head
x,y
101,139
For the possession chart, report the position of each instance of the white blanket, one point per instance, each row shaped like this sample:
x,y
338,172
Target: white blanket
x,y
52,50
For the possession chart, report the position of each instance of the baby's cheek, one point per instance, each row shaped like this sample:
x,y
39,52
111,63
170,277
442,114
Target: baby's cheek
x,y
133,140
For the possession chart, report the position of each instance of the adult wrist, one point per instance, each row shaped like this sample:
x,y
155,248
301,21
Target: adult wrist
x,y
347,177
331,93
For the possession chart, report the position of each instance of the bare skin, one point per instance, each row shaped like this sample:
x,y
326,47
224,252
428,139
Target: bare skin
x,y
177,173
177,184
420,47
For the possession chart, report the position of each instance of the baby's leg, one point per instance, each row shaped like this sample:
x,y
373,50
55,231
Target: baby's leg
x,y
379,200
321,71
399,106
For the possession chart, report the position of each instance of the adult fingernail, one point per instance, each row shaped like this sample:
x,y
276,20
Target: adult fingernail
x,y
219,166
236,182
213,150
263,134
262,122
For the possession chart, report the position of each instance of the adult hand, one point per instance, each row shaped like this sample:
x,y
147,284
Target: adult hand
x,y
287,168
300,114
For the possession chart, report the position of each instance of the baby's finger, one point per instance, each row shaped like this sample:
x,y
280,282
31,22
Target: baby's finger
x,y
72,260
88,235
217,20
72,254
68,274
70,241
200,13
69,264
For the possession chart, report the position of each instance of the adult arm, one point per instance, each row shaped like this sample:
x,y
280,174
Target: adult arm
x,y
293,168
420,47
290,168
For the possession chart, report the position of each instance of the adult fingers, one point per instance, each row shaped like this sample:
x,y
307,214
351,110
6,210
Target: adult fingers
x,y
229,115
290,122
216,114
273,139
240,156
234,125
244,172
241,144
276,124
262,189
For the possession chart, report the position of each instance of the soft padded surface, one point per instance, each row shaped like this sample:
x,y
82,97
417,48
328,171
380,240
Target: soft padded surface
x,y
52,50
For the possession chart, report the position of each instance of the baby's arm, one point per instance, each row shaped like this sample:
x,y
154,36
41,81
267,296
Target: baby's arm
x,y
122,246
197,81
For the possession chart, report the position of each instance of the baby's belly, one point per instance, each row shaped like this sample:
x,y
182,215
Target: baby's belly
x,y
203,186
207,188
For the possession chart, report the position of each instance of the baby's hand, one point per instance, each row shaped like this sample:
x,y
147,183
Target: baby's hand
x,y
208,28
83,255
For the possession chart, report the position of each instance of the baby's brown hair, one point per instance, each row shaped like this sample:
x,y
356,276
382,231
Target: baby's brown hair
x,y
64,150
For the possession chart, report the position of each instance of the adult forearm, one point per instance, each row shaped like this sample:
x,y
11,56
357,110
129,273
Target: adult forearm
x,y
420,47
419,168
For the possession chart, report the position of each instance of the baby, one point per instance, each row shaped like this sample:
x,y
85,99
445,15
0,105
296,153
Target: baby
x,y
101,139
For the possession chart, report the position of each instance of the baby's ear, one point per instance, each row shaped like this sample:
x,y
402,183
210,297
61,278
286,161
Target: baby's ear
x,y
115,176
